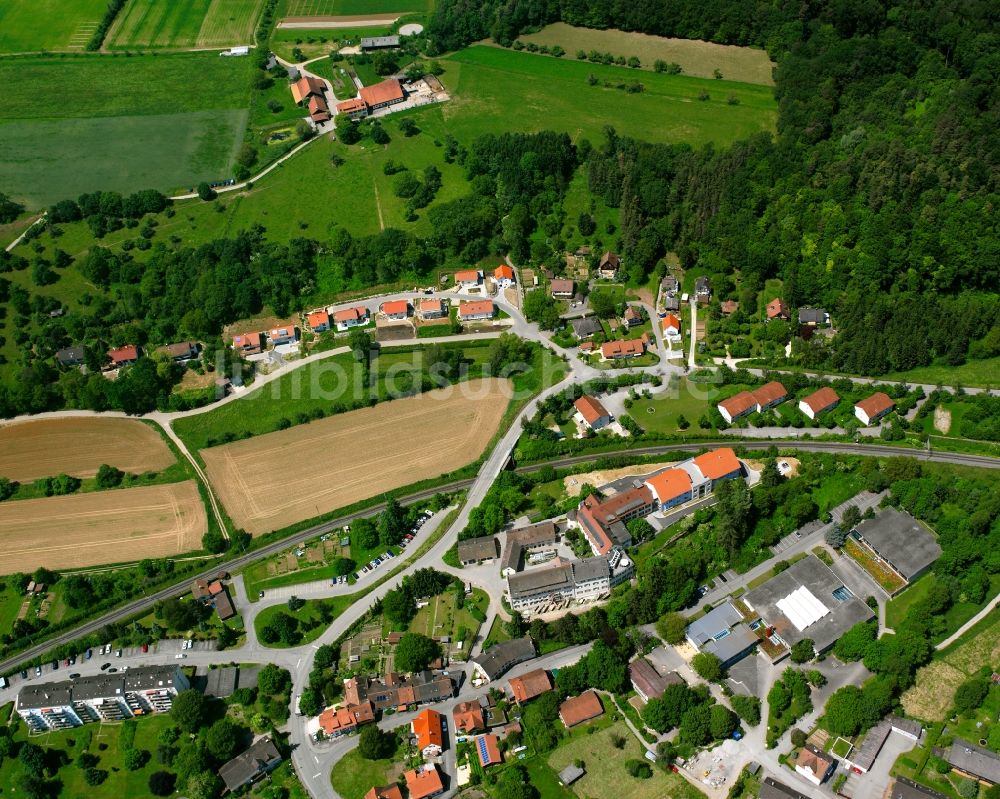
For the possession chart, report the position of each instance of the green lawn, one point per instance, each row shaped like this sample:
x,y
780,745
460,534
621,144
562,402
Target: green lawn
x,y
134,123
333,8
310,617
973,373
166,151
897,607
10,604
353,776
660,414
495,89
442,616
606,775
317,385
123,86
202,23
34,25
102,740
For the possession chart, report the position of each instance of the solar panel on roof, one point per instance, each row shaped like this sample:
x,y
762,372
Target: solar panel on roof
x,y
483,754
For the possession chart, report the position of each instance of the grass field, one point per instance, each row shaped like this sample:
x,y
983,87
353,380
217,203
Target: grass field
x,y
168,152
134,123
309,616
353,776
932,697
336,8
194,23
102,740
277,479
606,775
660,413
28,26
701,59
48,447
495,89
102,527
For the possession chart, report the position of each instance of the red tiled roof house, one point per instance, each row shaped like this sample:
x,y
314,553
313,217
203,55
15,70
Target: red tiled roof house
x,y
591,413
873,408
578,709
476,310
818,402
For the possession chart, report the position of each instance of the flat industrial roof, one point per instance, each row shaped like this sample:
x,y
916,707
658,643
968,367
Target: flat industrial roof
x,y
845,610
900,539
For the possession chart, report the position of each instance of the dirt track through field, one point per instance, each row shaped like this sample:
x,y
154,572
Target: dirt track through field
x,y
356,21
47,447
277,479
101,527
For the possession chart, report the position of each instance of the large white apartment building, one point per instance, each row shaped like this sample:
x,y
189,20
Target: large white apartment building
x,y
102,697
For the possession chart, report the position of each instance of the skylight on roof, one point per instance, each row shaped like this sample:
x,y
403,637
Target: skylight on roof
x,y
802,608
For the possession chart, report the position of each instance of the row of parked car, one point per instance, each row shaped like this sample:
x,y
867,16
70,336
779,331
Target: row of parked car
x,y
376,562
105,649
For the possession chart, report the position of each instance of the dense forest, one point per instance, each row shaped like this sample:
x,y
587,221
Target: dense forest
x,y
877,196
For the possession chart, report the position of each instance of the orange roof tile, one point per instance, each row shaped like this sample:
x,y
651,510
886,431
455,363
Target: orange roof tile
x,y
503,272
395,307
528,686
475,308
776,308
385,792
769,392
427,306
580,708
669,484
738,404
247,340
351,314
590,409
670,320
822,399
384,92
318,318
717,463
350,106
427,728
468,717
877,403
489,752
623,349
124,354
423,782
467,276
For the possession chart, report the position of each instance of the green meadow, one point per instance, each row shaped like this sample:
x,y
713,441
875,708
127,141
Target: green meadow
x,y
29,26
497,90
192,23
336,8
137,122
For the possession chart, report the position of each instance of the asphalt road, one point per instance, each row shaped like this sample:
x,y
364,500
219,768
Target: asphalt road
x,y
493,466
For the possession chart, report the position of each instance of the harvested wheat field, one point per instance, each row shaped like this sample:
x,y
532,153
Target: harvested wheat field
x,y
78,446
277,479
101,527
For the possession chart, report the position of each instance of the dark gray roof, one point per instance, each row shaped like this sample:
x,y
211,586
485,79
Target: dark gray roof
x,y
901,540
552,578
815,575
702,284
772,789
51,694
914,728
222,682
728,648
644,675
590,569
244,767
534,535
872,745
716,621
380,41
670,283
974,760
146,678
586,326
482,548
99,686
500,657
571,774
70,355
671,304
816,316
906,789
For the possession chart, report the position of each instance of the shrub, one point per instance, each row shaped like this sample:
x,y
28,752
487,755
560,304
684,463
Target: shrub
x,y
639,769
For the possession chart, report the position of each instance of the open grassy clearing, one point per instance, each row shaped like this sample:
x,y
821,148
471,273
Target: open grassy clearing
x,y
313,618
933,695
124,86
661,413
103,740
102,527
194,23
28,26
606,775
169,152
78,446
495,89
701,59
353,776
336,8
274,480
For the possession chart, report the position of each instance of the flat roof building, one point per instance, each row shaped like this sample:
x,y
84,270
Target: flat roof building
x,y
721,632
807,600
974,761
901,542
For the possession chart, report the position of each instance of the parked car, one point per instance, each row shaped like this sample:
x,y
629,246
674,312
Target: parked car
x,y
112,670
72,660
118,654
73,676
145,648
55,665
24,674
87,654
260,595
180,656
105,666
